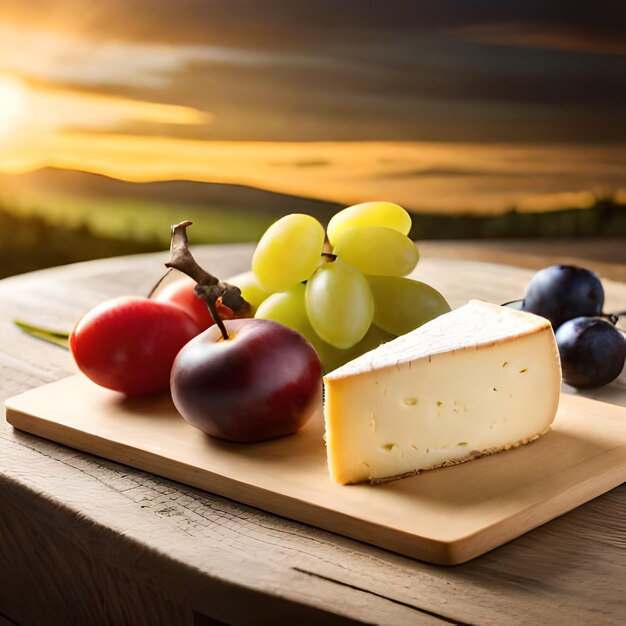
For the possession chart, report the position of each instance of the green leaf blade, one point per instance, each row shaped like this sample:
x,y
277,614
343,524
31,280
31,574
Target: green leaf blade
x,y
57,337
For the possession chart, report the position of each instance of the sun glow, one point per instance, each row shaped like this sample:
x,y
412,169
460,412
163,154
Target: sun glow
x,y
426,177
12,105
122,110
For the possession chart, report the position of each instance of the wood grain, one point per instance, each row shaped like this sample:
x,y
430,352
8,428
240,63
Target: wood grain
x,y
446,516
69,578
188,543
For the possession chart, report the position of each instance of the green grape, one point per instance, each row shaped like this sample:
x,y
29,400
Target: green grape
x,y
385,214
288,252
332,357
403,304
339,304
251,289
377,251
288,308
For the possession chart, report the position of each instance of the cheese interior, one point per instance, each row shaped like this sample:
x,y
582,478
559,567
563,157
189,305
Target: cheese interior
x,y
477,380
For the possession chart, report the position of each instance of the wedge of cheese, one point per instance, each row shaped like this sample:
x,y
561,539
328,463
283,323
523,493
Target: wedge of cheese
x,y
477,380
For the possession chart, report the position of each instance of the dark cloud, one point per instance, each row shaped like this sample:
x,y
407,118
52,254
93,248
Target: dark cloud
x,y
459,92
288,23
514,70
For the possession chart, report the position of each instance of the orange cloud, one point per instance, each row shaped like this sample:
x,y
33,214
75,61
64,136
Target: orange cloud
x,y
442,177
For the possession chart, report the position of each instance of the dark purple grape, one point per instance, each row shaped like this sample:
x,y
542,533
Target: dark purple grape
x,y
592,351
563,292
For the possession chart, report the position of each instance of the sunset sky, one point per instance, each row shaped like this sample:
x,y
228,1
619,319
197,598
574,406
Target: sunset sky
x,y
439,105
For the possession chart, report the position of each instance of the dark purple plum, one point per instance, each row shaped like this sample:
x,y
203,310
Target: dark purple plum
x,y
564,292
592,351
263,382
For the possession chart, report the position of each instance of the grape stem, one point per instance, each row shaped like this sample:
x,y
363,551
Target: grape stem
x,y
208,287
613,317
158,282
327,251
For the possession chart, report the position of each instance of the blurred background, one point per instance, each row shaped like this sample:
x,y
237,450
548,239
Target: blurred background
x,y
485,119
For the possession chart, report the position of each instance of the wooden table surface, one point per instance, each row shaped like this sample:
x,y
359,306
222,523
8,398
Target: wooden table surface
x,y
87,541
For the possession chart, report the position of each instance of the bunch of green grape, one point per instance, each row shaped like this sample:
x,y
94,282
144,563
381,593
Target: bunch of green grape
x,y
345,290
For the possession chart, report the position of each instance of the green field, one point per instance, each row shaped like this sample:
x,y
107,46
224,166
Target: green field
x,y
51,217
138,220
145,211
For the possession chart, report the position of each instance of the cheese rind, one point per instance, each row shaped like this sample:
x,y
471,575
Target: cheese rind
x,y
471,382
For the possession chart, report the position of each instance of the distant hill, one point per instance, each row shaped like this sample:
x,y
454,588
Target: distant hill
x,y
220,196
50,216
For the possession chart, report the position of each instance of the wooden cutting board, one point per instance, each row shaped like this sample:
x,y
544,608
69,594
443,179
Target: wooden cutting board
x,y
444,516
